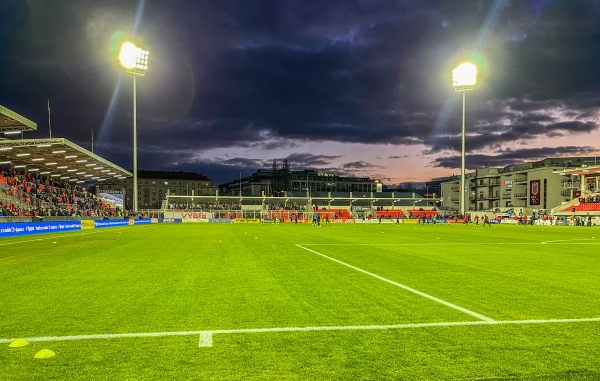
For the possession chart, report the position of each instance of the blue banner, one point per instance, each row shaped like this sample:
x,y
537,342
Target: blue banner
x,y
161,220
17,229
109,223
139,221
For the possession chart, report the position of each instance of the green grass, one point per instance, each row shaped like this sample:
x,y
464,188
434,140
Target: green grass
x,y
209,277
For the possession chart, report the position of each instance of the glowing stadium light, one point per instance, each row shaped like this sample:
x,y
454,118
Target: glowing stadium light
x,y
38,159
53,163
464,78
71,170
465,75
23,154
80,173
33,169
90,165
5,148
63,167
81,161
45,173
5,162
59,151
12,132
19,166
135,61
70,156
43,145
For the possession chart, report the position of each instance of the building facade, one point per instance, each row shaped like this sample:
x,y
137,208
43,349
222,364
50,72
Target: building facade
x,y
538,185
154,186
298,183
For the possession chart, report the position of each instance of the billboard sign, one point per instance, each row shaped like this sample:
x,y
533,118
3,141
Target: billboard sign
x,y
534,192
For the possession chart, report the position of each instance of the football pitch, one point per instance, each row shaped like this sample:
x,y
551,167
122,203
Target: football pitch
x,y
300,302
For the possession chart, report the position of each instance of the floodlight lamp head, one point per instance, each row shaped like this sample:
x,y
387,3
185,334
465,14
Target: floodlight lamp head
x,y
133,58
465,75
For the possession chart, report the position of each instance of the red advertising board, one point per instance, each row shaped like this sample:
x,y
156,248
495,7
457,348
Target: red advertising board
x,y
534,192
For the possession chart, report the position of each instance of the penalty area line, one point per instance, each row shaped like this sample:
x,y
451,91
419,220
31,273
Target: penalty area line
x,y
400,285
206,336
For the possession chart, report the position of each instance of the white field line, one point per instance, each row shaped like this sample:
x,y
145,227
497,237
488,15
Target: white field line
x,y
206,335
572,241
205,339
430,297
443,243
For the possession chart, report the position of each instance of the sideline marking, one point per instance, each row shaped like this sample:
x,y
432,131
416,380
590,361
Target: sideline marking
x,y
430,297
206,335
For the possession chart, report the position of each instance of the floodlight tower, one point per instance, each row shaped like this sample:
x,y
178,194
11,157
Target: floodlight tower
x,y
464,78
135,61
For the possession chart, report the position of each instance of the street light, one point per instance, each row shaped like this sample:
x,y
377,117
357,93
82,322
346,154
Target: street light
x,y
135,61
464,78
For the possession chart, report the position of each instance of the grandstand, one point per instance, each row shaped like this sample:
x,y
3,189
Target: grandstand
x,y
289,208
45,177
586,198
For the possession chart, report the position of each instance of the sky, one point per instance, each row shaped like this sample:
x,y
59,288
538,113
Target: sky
x,y
350,87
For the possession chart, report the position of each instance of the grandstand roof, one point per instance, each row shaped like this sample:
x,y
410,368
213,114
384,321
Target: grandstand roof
x,y
592,170
59,158
11,122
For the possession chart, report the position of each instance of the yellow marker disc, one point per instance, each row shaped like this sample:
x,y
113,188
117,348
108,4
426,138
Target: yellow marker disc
x,y
18,343
44,354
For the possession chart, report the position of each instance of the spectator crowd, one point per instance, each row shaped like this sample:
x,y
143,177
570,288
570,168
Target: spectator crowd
x,y
46,196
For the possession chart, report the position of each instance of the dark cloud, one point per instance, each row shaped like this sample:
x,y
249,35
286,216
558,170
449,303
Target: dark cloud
x,y
300,161
511,156
269,75
359,165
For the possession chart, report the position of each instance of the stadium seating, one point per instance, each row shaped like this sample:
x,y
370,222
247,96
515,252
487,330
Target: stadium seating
x,y
588,207
48,197
391,214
